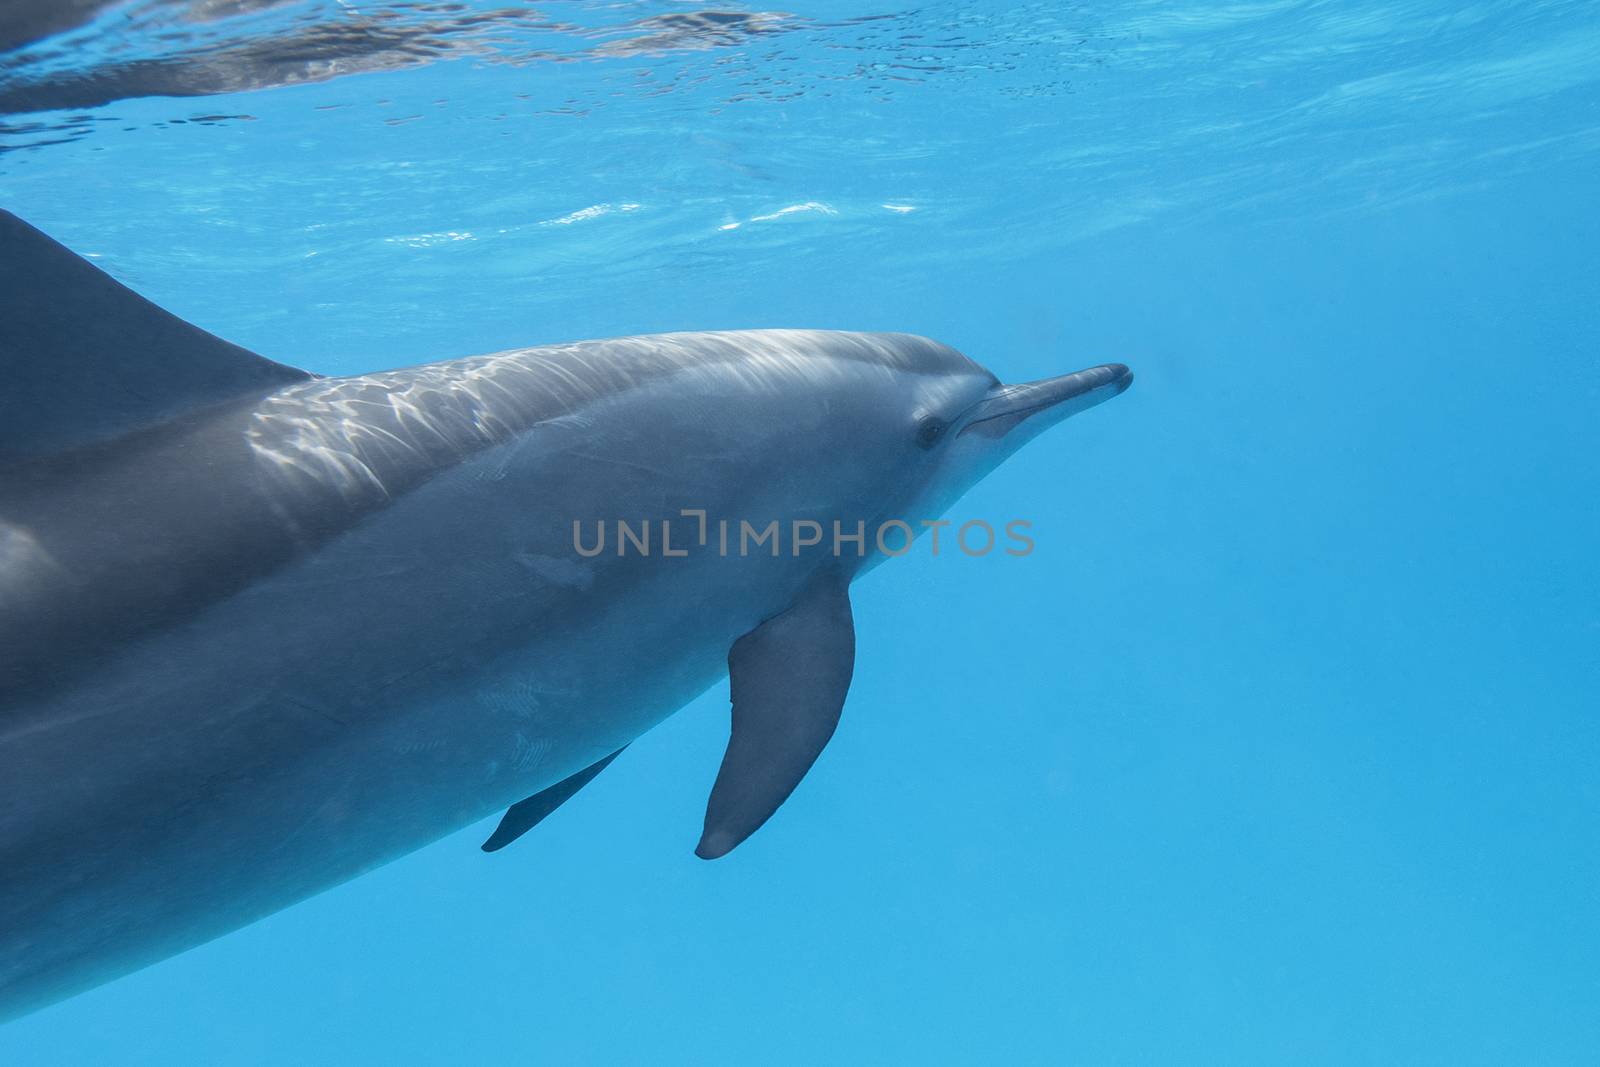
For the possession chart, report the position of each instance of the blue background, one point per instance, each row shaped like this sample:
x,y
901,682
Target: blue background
x,y
1281,747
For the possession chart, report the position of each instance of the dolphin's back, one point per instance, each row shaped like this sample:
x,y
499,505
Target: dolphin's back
x,y
377,433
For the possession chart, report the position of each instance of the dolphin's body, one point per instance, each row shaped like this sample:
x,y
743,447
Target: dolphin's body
x,y
262,631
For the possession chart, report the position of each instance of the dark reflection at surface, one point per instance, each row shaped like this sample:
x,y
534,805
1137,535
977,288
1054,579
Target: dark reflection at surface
x,y
86,54
25,21
695,31
318,43
312,49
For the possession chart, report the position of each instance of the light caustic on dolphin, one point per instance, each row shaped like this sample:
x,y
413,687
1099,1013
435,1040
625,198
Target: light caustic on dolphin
x,y
261,631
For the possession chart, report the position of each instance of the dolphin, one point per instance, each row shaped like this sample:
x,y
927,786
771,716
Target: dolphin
x,y
262,631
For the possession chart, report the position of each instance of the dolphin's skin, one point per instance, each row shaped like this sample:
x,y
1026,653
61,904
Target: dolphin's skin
x,y
259,646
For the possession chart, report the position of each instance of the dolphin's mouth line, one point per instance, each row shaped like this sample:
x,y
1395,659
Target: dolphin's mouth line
x,y
1016,413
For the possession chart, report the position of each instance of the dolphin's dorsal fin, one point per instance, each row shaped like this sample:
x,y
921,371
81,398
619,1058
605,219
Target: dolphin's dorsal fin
x,y
83,358
788,679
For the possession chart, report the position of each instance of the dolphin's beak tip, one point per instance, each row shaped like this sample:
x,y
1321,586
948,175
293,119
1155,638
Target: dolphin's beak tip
x,y
1116,374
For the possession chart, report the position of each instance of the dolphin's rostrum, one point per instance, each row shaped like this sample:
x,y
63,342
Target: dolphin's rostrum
x,y
261,631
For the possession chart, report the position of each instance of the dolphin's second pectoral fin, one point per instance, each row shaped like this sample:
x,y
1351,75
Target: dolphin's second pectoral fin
x,y
524,815
788,678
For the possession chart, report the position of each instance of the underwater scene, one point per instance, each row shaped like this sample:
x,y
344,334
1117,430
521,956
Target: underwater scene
x,y
600,531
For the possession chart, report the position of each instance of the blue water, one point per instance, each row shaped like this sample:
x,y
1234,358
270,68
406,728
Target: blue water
x,y
1281,747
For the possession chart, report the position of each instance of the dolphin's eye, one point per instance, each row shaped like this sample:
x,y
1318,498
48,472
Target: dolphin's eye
x,y
929,430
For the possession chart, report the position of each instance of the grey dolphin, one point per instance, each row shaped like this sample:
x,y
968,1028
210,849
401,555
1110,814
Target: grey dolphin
x,y
262,631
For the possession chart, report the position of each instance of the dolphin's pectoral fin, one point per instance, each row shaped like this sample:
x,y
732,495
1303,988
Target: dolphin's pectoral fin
x,y
787,678
524,815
